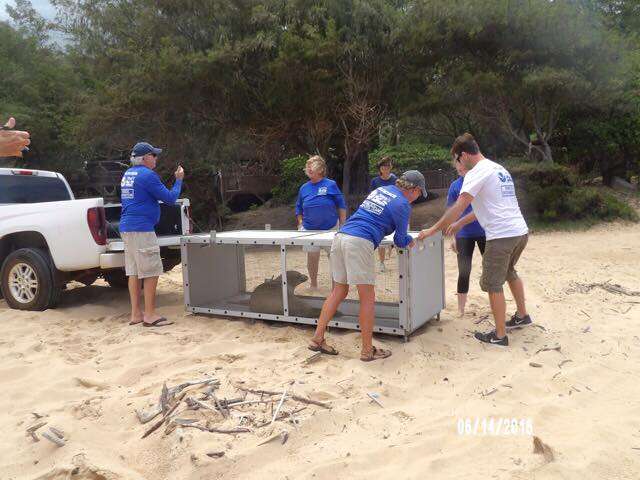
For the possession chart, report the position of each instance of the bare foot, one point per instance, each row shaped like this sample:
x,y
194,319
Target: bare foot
x,y
137,318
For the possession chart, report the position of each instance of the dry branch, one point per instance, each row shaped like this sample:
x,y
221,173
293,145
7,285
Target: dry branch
x,y
295,397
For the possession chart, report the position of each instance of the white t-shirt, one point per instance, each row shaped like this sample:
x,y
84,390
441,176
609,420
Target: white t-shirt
x,y
494,200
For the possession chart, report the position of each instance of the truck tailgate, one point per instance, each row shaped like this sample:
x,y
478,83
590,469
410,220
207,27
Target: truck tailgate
x,y
116,246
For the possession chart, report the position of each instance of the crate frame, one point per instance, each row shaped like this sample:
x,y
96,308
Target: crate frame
x,y
414,307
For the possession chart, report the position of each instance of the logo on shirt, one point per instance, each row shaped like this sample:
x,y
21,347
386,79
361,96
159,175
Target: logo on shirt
x,y
127,186
322,191
376,201
127,181
508,189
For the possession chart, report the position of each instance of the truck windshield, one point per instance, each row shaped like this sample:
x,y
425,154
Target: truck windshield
x,y
32,189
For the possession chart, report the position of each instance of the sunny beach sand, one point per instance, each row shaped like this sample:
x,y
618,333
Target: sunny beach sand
x,y
84,367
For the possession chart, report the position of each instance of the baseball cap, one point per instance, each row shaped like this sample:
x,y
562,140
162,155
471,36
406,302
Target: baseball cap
x,y
142,148
416,178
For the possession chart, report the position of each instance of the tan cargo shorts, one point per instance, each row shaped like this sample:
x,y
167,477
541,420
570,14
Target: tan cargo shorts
x,y
499,261
352,261
141,254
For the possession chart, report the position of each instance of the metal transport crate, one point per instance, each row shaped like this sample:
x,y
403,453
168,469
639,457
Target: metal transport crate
x,y
262,274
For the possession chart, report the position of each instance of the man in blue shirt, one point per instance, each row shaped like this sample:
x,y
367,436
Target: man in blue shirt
x,y
464,240
320,206
385,178
141,190
386,209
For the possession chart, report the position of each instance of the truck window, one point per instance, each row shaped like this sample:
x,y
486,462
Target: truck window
x,y
32,189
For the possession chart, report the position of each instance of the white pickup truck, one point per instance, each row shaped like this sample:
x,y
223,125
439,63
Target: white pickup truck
x,y
48,238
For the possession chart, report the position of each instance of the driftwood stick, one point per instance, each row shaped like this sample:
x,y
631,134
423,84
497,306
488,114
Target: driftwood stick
x,y
219,430
282,416
284,395
32,430
182,386
295,397
157,425
52,437
249,402
164,398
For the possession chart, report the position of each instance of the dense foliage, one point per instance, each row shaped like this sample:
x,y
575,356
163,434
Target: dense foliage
x,y
226,85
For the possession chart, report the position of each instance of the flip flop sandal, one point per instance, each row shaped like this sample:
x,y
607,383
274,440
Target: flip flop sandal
x,y
161,322
136,323
322,348
376,354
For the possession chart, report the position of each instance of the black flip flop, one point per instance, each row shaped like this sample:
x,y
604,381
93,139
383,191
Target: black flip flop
x,y
161,322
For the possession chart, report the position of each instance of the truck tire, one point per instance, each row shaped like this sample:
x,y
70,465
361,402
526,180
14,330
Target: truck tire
x,y
116,278
27,280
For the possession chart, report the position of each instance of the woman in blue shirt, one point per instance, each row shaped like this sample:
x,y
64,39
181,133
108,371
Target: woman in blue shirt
x,y
386,209
465,239
385,178
320,206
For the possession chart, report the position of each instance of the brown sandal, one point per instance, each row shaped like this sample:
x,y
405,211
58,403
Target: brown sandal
x,y
322,347
376,354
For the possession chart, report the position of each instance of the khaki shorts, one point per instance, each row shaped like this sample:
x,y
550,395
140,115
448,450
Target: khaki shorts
x,y
141,254
499,261
352,261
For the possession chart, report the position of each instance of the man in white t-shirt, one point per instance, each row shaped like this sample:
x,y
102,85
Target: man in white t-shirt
x,y
489,188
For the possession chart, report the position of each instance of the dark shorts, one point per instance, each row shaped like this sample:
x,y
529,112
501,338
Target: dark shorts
x,y
499,261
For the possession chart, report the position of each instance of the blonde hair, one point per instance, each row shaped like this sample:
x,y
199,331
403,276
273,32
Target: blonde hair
x,y
317,164
405,185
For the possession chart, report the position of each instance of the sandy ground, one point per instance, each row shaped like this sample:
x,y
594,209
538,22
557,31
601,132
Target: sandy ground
x,y
86,370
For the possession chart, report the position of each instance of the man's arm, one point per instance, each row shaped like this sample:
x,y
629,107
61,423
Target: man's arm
x,y
455,227
160,192
450,216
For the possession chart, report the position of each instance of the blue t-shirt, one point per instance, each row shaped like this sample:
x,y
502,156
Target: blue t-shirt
x,y
470,230
380,182
141,189
318,203
385,210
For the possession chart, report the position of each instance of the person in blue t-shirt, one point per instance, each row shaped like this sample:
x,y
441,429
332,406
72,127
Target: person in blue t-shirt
x,y
141,189
386,210
320,206
385,177
465,240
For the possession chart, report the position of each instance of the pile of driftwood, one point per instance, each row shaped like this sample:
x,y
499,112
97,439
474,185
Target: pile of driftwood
x,y
199,404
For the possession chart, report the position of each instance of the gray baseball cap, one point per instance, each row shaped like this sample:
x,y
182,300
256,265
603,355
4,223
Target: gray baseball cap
x,y
415,177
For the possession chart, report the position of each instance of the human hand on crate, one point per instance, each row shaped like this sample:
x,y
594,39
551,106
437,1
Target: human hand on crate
x,y
427,232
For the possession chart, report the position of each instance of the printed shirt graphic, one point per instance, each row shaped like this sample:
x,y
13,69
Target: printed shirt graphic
x,y
378,182
384,211
494,200
318,203
470,230
141,189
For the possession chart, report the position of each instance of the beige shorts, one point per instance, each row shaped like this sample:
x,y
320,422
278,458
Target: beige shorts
x,y
141,254
499,262
352,261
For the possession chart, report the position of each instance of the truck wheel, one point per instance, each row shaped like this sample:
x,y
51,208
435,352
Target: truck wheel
x,y
26,280
116,278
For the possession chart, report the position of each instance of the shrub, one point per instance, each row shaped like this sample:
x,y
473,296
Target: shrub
x,y
412,156
291,177
550,194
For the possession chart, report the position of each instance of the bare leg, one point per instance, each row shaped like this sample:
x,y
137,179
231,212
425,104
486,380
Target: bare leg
x,y
150,285
499,309
462,302
517,290
381,253
134,294
367,295
313,260
329,308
